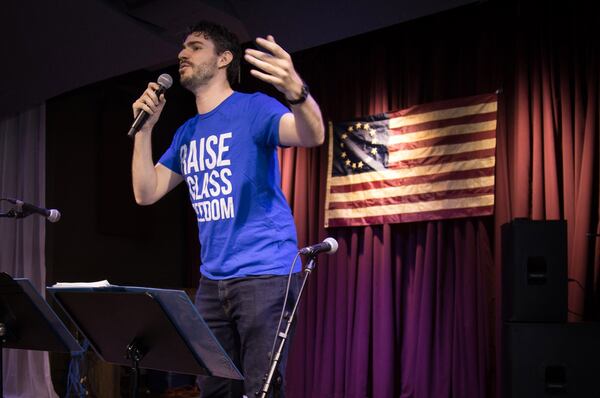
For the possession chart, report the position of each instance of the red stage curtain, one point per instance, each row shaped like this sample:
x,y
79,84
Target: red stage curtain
x,y
409,310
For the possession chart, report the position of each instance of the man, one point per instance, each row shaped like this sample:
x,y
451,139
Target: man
x,y
227,156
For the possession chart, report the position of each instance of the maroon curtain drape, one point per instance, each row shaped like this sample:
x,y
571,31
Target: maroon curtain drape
x,y
549,157
410,310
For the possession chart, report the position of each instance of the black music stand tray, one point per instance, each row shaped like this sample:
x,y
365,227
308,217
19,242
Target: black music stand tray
x,y
145,328
28,323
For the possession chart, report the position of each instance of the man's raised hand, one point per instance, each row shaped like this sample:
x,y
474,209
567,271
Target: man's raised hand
x,y
275,66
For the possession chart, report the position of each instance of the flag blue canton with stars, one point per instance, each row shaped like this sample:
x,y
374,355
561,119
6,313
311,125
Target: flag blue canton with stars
x,y
360,146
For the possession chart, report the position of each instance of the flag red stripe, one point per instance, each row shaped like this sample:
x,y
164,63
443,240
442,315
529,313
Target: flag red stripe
x,y
452,175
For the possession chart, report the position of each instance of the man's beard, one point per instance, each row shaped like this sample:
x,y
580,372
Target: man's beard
x,y
201,74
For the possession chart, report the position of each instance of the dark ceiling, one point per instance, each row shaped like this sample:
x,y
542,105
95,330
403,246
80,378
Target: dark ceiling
x,y
53,46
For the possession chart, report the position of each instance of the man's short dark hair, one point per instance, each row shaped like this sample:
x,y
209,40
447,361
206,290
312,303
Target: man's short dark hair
x,y
223,40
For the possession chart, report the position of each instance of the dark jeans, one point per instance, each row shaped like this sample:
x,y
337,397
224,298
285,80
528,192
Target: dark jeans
x,y
243,314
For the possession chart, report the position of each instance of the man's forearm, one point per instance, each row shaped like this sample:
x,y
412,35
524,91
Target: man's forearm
x,y
142,169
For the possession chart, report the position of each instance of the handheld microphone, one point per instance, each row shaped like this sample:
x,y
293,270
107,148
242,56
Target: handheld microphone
x,y
329,246
26,209
164,81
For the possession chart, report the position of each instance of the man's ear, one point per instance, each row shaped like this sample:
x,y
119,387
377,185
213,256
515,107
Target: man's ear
x,y
225,59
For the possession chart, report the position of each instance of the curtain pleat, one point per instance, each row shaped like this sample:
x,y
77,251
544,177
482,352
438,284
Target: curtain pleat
x,y
22,241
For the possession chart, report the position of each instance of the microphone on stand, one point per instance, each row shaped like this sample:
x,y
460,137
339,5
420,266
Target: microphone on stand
x,y
164,81
24,209
329,246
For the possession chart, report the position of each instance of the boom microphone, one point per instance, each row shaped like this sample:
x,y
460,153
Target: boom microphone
x,y
26,209
164,81
329,246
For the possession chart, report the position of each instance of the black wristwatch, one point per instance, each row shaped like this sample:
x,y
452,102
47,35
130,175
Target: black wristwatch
x,y
303,96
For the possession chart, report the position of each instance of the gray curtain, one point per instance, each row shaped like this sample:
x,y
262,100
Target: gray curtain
x,y
23,176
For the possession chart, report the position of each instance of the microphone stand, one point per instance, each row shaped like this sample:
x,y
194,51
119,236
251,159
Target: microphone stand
x,y
15,212
283,336
12,213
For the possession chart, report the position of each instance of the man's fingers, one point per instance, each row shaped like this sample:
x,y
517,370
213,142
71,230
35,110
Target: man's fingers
x,y
274,65
265,66
147,105
273,47
149,102
151,92
265,77
146,109
150,97
259,54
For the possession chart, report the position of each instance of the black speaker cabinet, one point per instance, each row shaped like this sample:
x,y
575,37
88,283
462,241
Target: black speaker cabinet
x,y
551,360
534,271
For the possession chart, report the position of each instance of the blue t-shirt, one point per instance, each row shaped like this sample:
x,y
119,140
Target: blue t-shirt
x,y
228,158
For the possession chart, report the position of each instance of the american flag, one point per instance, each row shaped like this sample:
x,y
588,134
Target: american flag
x,y
428,162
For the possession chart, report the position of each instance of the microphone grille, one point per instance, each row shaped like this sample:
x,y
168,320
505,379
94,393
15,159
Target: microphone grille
x,y
54,215
333,243
165,80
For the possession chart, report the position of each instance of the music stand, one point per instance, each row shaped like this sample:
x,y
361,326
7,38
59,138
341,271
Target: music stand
x,y
28,323
146,328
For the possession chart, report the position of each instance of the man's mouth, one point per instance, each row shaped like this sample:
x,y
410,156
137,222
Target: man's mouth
x,y
182,66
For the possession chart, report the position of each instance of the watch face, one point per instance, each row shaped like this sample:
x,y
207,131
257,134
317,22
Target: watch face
x,y
304,91
303,96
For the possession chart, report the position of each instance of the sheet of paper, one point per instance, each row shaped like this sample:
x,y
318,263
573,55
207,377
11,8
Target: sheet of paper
x,y
103,283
